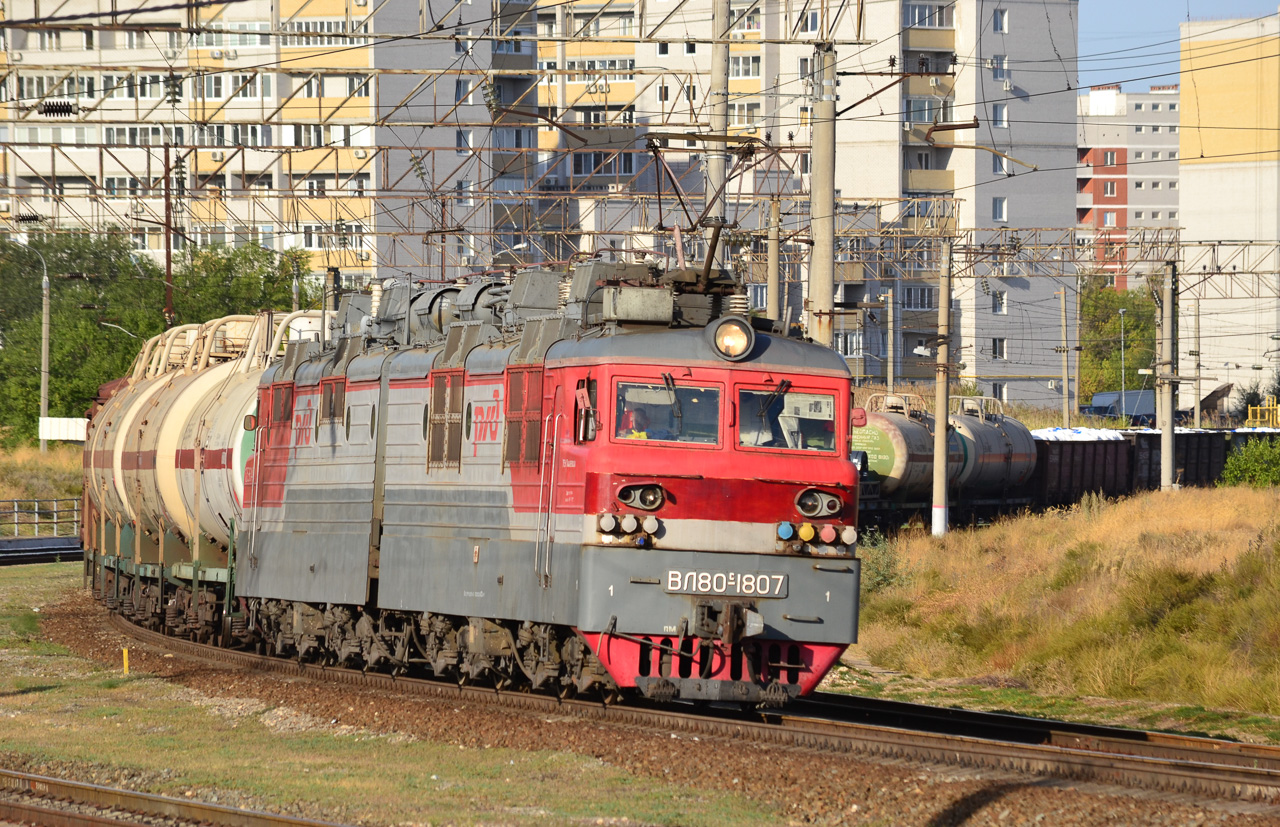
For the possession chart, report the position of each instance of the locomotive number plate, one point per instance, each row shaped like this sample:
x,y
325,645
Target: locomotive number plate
x,y
730,583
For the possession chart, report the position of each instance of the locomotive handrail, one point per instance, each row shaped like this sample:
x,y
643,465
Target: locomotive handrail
x,y
551,498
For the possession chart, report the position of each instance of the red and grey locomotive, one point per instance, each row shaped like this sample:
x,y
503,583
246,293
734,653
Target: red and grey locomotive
x,y
605,481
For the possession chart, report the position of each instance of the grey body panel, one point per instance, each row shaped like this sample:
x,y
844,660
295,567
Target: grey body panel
x,y
630,585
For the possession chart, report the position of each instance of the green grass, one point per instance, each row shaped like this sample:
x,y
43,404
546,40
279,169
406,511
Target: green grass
x,y
59,708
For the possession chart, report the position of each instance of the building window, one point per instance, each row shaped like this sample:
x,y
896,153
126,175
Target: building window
x,y
1000,302
690,48
664,94
1173,129
1109,189
744,66
1109,218
1155,107
1173,185
1000,21
999,208
1137,129
1155,216
463,188
1137,107
1173,155
924,16
999,67
1155,185
1137,185
809,22
1173,214
1000,165
1155,129
997,349
461,90
1138,216
664,48
924,160
461,45
1155,156
1000,114
357,86
919,298
744,114
1173,107
463,141
1138,156
1108,159
999,390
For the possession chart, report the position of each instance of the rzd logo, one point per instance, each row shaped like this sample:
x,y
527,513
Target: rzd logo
x,y
486,420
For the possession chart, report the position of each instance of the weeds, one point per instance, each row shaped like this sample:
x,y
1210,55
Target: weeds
x,y
1255,463
25,473
1167,597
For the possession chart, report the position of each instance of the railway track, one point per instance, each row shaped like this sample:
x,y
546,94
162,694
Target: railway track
x,y
57,802
869,727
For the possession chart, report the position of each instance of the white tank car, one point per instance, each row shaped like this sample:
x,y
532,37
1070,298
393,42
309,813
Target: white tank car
x,y
898,444
999,452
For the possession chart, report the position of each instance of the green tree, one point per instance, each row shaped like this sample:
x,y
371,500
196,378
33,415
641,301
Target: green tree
x,y
1100,307
99,322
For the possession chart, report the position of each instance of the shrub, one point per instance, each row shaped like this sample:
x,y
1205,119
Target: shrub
x,y
880,565
1256,463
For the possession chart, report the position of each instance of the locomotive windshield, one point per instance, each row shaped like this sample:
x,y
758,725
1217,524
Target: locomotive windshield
x,y
787,419
667,412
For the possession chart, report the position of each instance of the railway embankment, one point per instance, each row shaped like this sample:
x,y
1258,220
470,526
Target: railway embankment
x,y
1159,610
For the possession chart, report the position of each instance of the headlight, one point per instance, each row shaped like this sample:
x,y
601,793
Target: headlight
x,y
733,338
814,503
648,497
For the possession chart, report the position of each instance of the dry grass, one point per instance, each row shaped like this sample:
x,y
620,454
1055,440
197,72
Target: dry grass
x,y
1157,594
25,473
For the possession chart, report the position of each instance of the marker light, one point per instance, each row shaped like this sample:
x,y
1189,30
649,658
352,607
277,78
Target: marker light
x,y
808,532
733,338
607,523
651,524
828,534
630,523
849,535
786,531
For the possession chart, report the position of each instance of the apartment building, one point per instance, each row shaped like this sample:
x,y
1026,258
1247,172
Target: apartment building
x,y
261,122
975,69
435,140
1229,172
1126,170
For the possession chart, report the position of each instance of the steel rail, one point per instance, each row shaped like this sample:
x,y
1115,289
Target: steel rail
x,y
128,801
25,550
1188,771
1024,729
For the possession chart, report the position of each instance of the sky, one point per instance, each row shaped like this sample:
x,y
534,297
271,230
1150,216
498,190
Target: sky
x,y
1109,26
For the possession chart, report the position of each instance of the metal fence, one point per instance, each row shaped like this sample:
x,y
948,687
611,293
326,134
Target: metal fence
x,y
40,518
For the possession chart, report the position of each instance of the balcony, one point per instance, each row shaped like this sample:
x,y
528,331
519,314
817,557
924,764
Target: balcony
x,y
928,180
929,40
923,87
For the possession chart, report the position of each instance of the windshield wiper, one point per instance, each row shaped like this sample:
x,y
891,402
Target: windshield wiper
x,y
675,401
777,393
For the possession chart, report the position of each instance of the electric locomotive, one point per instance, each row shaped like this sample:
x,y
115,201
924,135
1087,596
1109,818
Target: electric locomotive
x,y
606,482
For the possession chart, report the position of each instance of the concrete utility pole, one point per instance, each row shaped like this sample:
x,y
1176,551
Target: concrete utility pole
x,y
941,401
773,278
1167,370
1197,355
44,346
1066,365
1124,413
891,367
822,206
169,315
717,151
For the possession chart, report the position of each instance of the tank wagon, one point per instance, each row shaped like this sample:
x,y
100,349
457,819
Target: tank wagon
x,y
601,482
